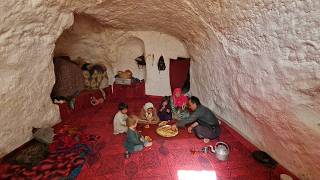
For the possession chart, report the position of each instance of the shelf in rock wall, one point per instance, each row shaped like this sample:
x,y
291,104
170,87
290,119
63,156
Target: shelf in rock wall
x,y
123,81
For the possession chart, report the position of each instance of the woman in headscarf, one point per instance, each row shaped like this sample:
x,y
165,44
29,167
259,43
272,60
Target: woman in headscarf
x,y
178,104
148,114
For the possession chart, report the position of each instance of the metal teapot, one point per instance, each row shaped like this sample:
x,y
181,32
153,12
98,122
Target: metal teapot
x,y
221,150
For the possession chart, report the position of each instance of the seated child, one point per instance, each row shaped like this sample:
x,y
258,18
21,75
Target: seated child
x,y
119,120
134,142
178,102
148,114
165,110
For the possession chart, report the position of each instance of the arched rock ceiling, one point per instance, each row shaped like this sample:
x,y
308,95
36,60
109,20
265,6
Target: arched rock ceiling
x,y
256,60
178,18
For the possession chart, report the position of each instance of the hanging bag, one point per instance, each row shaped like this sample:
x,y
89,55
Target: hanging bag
x,y
161,64
141,61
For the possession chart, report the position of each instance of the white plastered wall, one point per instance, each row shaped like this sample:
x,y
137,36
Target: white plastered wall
x,y
126,54
157,44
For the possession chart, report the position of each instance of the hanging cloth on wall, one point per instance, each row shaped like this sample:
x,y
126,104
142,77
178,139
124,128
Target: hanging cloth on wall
x,y
141,61
161,64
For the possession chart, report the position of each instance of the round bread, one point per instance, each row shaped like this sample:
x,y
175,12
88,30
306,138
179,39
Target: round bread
x,y
166,131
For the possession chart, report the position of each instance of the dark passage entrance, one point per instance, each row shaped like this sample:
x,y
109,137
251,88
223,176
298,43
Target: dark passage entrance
x,y
179,73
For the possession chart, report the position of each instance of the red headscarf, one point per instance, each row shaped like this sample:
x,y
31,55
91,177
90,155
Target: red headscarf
x,y
181,100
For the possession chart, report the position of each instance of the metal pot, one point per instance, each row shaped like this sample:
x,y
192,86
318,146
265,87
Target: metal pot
x,y
221,150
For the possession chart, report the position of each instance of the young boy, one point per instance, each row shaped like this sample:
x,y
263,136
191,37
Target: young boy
x,y
134,142
119,120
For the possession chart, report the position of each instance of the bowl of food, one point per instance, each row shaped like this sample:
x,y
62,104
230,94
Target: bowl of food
x,y
148,138
166,131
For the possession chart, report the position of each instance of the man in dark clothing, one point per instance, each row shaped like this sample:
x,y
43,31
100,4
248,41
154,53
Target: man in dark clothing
x,y
205,124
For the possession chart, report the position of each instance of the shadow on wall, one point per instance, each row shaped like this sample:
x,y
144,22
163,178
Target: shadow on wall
x,y
127,52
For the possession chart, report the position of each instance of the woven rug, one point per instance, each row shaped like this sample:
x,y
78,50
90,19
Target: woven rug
x,y
71,148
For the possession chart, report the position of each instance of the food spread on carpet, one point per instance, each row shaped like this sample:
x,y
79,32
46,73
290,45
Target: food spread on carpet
x,y
166,131
84,147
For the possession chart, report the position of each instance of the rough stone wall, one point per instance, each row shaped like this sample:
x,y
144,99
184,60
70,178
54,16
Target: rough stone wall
x,y
266,81
28,31
258,61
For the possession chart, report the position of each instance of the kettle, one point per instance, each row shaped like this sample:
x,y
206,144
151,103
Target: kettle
x,y
221,150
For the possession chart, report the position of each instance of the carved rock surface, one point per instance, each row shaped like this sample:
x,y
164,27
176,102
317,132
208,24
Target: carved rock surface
x,y
28,32
255,63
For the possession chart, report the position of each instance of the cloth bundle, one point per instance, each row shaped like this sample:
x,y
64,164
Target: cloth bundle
x,y
94,75
127,74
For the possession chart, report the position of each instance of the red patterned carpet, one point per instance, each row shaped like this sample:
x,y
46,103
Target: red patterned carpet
x,y
167,158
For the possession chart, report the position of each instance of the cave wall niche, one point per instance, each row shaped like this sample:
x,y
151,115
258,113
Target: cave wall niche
x,y
88,40
126,54
117,49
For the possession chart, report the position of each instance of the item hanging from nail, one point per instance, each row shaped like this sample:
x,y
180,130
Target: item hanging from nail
x,y
161,64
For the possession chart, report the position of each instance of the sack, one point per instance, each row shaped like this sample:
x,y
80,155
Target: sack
x,y
264,159
161,64
44,135
93,74
141,61
127,74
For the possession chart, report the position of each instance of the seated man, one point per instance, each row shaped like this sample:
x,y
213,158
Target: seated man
x,y
205,124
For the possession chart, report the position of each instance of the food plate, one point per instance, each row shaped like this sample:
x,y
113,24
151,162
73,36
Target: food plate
x,y
166,131
148,138
163,123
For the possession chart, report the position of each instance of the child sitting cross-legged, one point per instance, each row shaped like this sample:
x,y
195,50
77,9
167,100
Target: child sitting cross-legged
x,y
148,114
164,112
119,120
134,142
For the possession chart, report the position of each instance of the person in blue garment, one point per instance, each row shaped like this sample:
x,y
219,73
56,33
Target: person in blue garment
x,y
135,141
